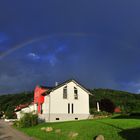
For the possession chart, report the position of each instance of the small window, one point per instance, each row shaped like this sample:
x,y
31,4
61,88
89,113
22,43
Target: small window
x,y
65,92
75,93
76,118
41,110
68,108
57,118
72,108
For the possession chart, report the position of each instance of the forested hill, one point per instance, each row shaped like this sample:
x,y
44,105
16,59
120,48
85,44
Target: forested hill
x,y
125,100
9,101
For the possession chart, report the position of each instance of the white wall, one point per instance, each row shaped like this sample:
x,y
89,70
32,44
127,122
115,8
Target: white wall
x,y
30,108
45,105
19,115
60,105
55,106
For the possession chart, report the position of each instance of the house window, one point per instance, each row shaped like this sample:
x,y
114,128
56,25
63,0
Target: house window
x,y
72,108
65,92
75,93
41,110
68,108
57,118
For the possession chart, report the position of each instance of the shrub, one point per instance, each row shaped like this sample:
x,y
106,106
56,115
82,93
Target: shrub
x,y
135,114
93,110
107,105
28,120
1,114
101,113
16,124
10,115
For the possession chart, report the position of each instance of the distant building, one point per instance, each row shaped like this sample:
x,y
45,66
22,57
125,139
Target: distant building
x,y
117,110
64,102
24,108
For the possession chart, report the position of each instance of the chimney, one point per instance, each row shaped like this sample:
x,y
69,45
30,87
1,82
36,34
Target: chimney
x,y
56,83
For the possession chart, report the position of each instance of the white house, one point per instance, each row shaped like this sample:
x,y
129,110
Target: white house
x,y
28,109
64,102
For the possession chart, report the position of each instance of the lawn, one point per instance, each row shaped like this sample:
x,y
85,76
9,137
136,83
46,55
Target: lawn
x,y
112,129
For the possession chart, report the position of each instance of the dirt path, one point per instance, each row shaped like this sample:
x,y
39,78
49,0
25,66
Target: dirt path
x,y
9,133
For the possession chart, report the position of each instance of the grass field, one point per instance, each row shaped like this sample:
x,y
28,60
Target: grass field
x,y
112,129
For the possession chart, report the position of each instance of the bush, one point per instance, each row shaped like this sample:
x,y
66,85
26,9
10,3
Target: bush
x,y
10,115
93,110
134,114
16,124
101,113
1,114
107,105
28,120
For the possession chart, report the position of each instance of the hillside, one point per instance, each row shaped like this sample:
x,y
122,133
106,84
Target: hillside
x,y
9,101
125,100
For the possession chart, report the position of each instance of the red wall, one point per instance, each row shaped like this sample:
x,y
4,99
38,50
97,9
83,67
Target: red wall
x,y
38,97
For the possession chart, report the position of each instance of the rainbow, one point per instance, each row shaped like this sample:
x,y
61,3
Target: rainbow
x,y
30,41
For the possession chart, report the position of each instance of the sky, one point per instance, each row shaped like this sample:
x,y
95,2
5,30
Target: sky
x,y
95,42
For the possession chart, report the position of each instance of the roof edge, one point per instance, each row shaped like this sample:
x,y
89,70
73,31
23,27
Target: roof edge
x,y
68,81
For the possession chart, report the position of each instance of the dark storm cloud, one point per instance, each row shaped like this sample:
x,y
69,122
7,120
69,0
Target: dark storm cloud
x,y
96,42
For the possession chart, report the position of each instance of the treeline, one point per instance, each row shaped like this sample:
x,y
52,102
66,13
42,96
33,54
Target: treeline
x,y
128,102
8,102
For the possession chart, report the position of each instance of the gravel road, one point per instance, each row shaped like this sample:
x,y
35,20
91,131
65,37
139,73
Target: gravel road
x,y
7,132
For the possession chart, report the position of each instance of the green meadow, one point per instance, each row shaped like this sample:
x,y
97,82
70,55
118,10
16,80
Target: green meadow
x,y
110,128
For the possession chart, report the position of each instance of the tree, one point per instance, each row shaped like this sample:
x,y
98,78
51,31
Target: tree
x,y
107,105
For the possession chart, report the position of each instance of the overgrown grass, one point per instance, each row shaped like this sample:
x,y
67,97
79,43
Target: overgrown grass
x,y
112,129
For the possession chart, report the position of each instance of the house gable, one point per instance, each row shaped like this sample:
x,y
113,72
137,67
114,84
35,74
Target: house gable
x,y
62,105
67,82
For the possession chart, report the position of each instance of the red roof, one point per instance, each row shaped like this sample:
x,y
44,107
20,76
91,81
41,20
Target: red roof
x,y
21,106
